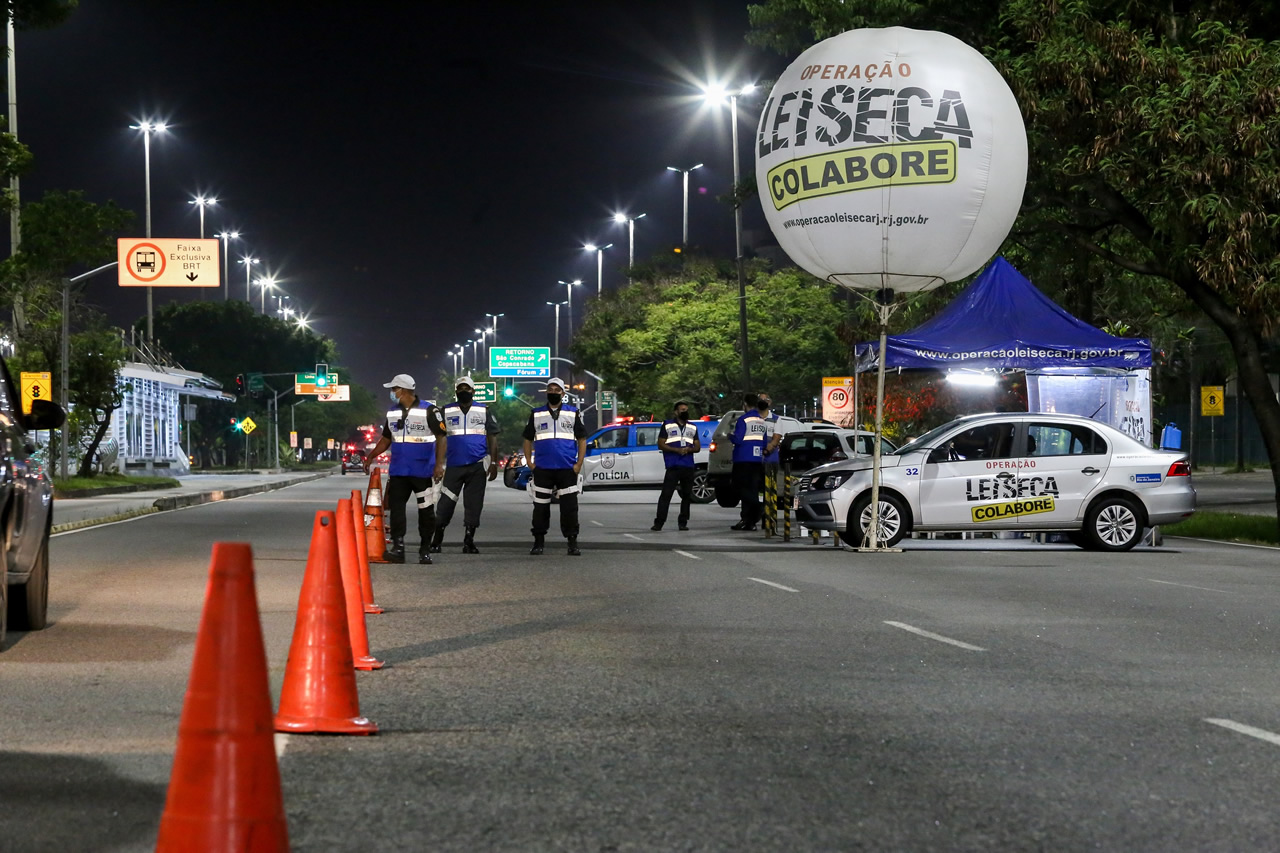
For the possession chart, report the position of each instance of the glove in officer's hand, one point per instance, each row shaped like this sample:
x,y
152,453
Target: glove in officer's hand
x,y
493,470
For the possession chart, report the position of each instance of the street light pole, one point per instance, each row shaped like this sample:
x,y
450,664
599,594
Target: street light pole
x,y
226,237
599,250
248,264
631,236
568,289
737,236
556,348
146,128
202,202
495,317
684,242
265,283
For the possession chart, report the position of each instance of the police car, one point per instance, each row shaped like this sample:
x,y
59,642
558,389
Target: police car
x,y
626,456
1027,472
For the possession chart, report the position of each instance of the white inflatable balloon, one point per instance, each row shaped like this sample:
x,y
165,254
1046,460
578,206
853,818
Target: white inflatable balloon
x,y
891,158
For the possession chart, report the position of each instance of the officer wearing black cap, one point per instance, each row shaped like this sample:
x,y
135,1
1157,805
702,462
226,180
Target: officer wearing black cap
x,y
414,430
555,443
473,439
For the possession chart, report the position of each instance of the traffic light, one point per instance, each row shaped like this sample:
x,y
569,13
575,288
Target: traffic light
x,y
508,392
240,385
322,376
235,425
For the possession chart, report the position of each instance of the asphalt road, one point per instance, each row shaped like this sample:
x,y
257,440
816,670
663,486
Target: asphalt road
x,y
680,691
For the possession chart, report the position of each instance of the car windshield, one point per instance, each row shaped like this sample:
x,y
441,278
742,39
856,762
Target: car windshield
x,y
927,440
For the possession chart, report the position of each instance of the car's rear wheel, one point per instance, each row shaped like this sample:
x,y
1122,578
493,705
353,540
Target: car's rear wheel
x,y
893,520
30,602
1113,523
703,491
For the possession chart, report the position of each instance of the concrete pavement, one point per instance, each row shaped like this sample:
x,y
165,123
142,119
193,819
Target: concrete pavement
x,y
72,513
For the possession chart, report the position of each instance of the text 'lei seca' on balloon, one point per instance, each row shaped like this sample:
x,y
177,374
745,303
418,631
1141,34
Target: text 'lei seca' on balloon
x,y
891,158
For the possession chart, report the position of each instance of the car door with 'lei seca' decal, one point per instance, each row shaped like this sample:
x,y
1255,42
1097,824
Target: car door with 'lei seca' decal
x,y
952,480
1065,462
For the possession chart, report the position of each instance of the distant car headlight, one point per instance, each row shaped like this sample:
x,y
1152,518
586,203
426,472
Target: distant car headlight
x,y
827,482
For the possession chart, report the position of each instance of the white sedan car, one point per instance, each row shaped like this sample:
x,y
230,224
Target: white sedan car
x,y
1022,471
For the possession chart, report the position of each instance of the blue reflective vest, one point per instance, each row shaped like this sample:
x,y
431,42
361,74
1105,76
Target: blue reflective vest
x,y
553,443
468,441
749,437
678,436
413,444
771,427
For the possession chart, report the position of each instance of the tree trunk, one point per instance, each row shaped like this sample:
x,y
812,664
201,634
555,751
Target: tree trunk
x,y
1246,345
86,461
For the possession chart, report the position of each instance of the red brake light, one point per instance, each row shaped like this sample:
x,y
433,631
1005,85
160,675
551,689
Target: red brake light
x,y
713,447
1179,469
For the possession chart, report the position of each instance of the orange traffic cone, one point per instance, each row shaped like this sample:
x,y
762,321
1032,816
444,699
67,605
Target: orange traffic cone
x,y
374,531
224,792
350,564
319,693
366,579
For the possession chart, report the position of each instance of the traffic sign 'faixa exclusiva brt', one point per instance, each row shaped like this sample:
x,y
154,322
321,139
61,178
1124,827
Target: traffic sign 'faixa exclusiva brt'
x,y
157,262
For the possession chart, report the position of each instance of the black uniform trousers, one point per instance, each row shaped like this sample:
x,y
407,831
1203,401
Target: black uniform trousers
x,y
677,477
468,483
398,491
555,480
748,480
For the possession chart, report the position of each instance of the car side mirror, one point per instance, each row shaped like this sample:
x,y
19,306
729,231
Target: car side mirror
x,y
938,454
45,414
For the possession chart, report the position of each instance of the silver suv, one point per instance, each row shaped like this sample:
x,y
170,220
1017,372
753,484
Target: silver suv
x,y
26,509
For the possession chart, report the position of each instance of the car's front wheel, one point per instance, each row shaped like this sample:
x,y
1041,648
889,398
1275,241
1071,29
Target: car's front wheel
x,y
893,520
30,602
703,491
1114,523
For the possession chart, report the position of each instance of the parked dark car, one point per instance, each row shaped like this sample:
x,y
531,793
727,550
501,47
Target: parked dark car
x,y
26,509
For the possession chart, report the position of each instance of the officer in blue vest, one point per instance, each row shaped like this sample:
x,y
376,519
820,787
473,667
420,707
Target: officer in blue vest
x,y
678,441
473,440
414,430
751,444
555,443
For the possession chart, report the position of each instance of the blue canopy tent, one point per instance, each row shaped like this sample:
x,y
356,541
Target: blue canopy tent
x,y
1002,322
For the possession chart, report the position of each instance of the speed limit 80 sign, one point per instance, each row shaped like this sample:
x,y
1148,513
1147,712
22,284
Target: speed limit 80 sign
x,y
837,398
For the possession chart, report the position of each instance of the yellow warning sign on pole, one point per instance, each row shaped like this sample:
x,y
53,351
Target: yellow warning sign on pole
x,y
35,386
247,425
1211,403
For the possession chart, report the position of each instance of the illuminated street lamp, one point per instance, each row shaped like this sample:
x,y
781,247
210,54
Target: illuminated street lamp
x,y
631,229
202,202
556,348
147,129
684,241
266,283
715,95
568,289
482,333
599,250
248,265
494,330
226,237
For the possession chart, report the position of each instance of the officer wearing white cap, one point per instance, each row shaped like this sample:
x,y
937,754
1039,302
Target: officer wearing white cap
x,y
473,439
555,443
414,430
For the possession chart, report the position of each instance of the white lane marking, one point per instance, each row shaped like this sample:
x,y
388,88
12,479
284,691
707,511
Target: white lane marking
x,y
596,523
771,583
282,743
633,536
1260,734
933,636
687,554
1188,586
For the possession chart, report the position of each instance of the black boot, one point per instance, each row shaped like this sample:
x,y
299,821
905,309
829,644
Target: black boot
x,y
469,542
538,543
573,547
436,539
395,554
424,558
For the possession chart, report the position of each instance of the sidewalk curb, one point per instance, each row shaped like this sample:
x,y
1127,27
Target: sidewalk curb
x,y
194,499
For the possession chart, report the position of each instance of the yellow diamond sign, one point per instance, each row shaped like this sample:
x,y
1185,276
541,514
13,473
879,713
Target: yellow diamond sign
x,y
247,426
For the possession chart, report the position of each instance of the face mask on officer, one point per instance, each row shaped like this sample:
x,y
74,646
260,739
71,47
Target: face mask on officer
x,y
682,414
554,398
465,394
395,398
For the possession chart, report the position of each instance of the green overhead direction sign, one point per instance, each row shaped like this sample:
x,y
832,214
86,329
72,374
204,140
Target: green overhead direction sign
x,y
529,362
486,392
311,383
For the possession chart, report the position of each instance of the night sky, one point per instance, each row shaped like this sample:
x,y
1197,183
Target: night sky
x,y
404,168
